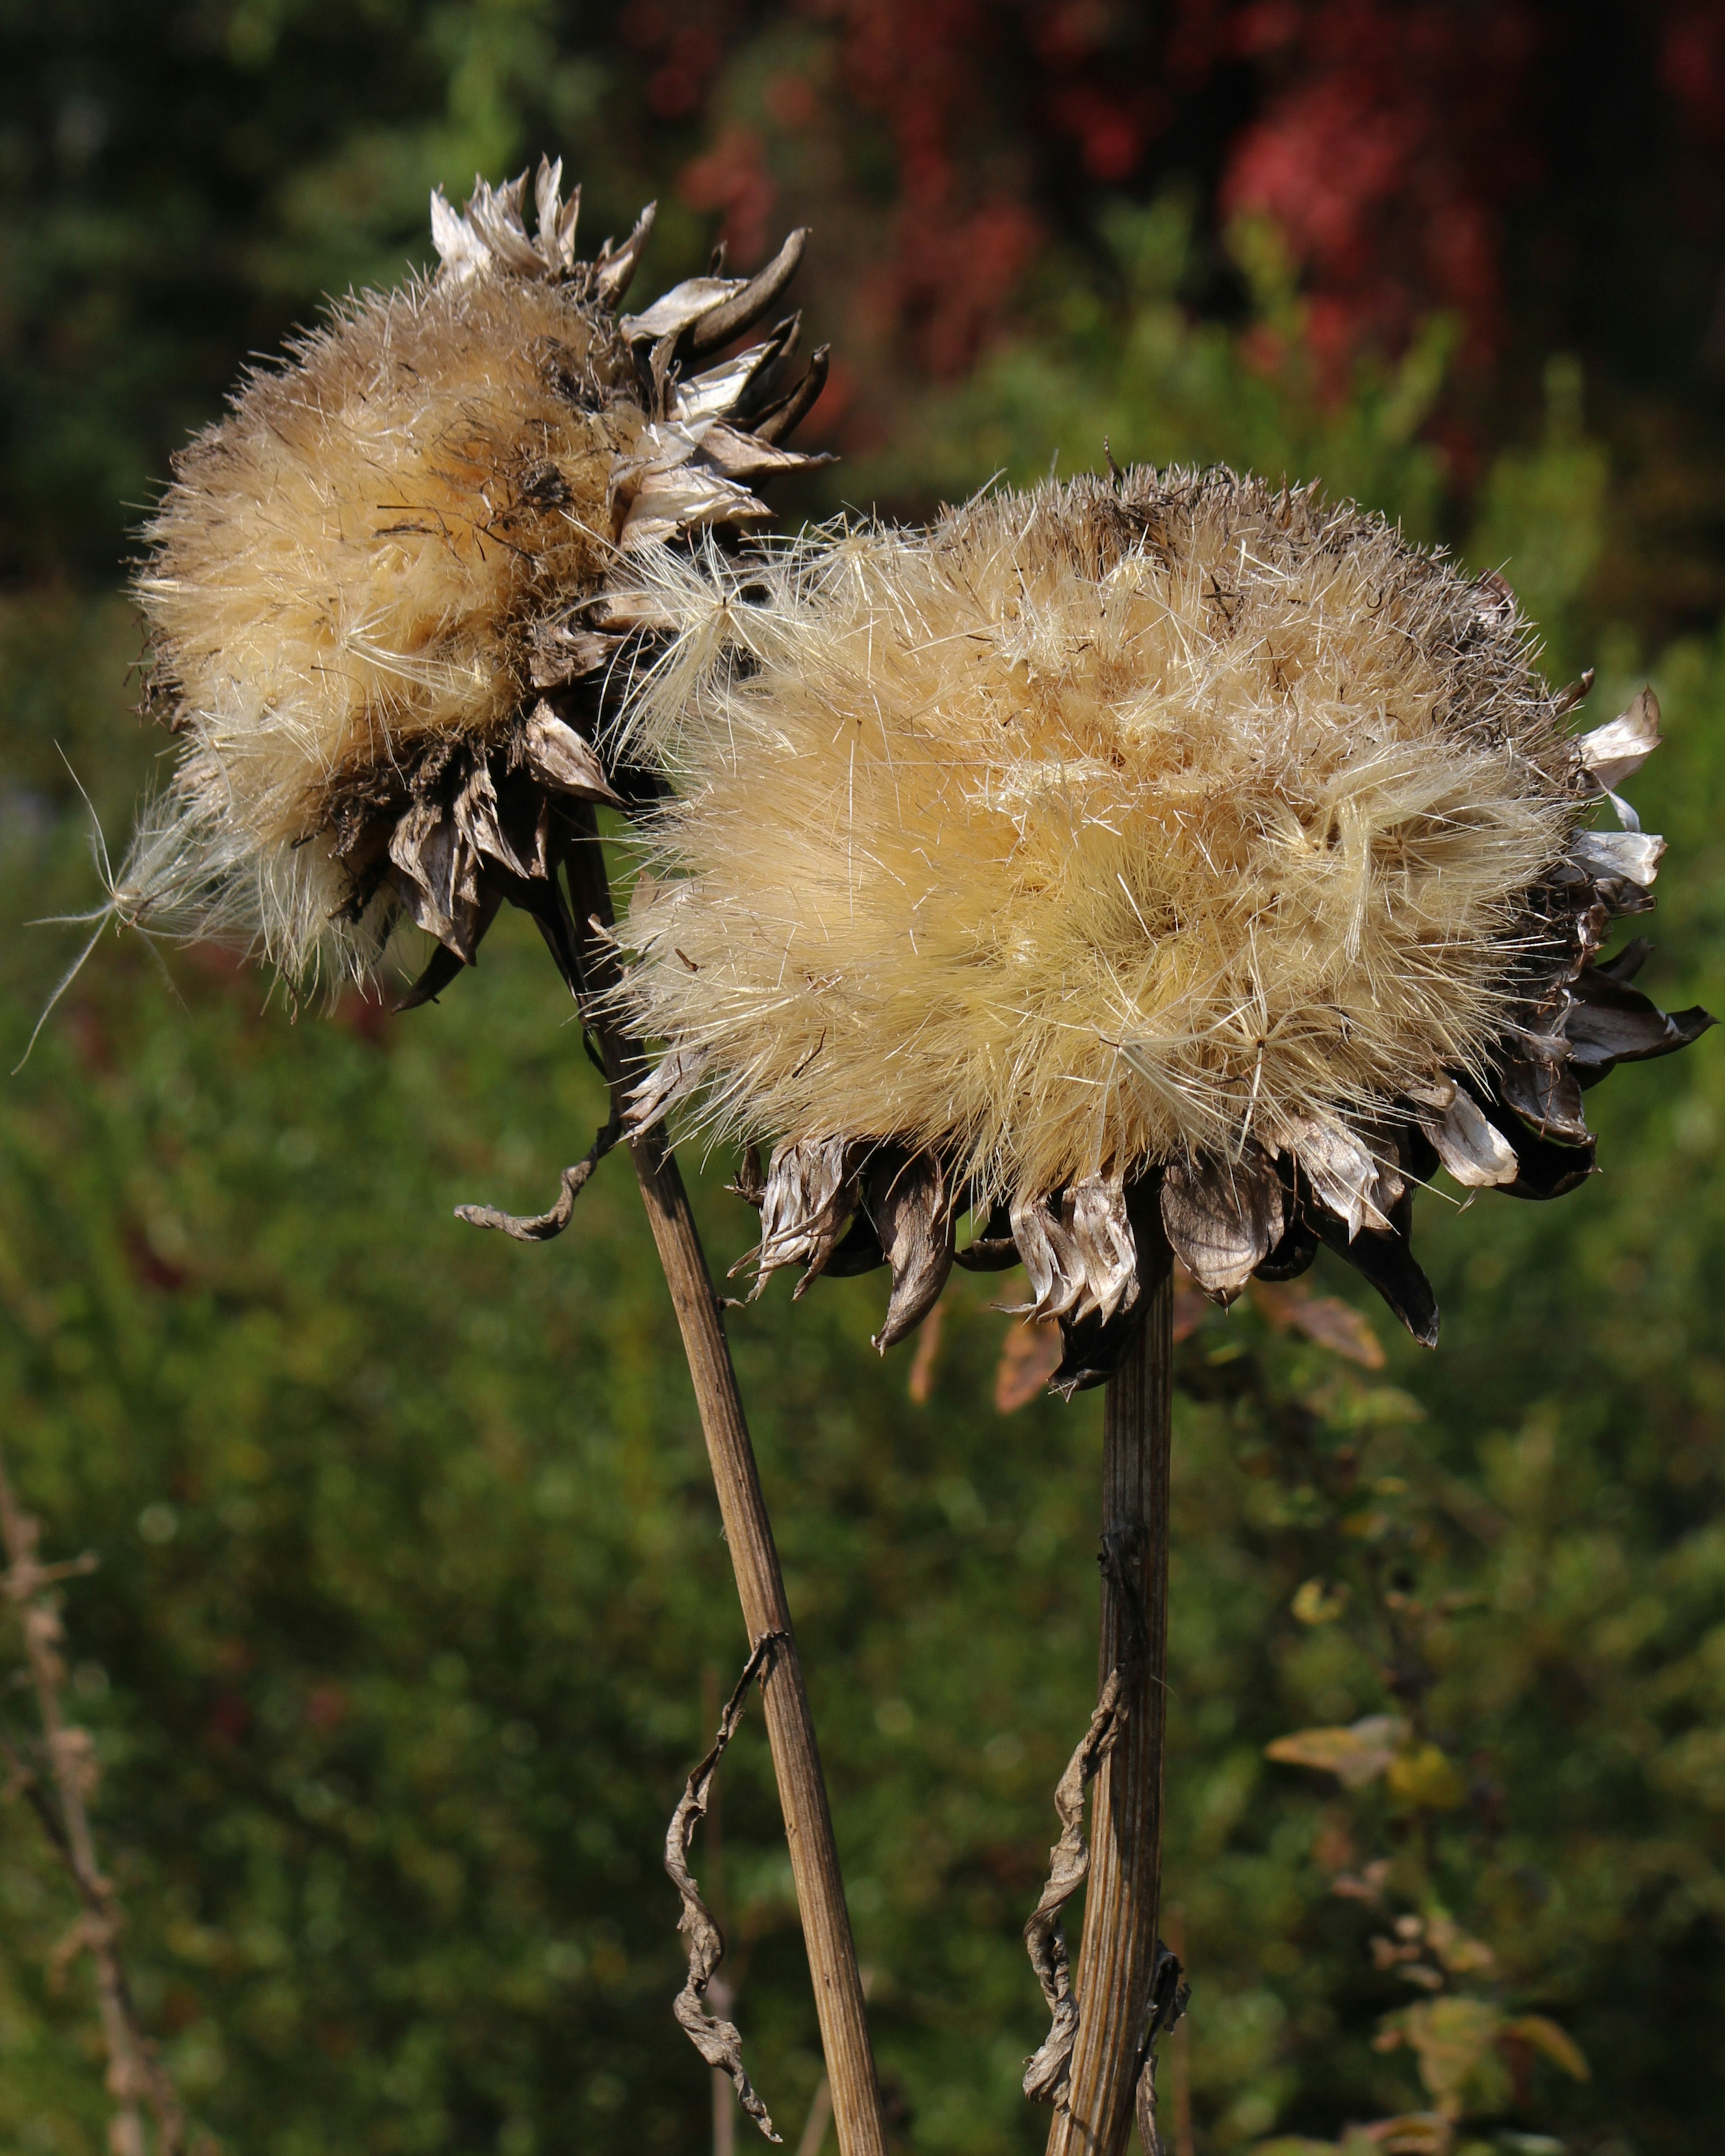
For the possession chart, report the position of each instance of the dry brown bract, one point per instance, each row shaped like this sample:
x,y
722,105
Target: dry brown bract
x,y
1179,824
373,585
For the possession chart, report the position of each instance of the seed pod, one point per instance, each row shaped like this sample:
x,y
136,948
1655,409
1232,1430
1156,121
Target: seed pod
x,y
381,588
1182,828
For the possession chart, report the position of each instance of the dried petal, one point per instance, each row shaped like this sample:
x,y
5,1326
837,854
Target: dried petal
x,y
557,755
557,653
916,1219
677,501
556,224
673,311
613,274
783,418
476,819
1475,1153
1103,1235
718,393
1224,1218
1618,856
745,457
673,1079
1383,1256
1052,1263
1297,1251
1614,752
741,311
811,1194
1341,1171
1544,1089
1608,1022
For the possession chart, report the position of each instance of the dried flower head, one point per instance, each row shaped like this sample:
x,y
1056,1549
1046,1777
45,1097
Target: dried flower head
x,y
372,585
1180,825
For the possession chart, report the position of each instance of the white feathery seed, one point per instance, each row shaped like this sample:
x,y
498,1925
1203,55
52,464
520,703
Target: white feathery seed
x,y
1093,826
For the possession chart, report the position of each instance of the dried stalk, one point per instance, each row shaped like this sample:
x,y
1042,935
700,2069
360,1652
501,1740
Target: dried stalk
x,y
134,2075
1120,1958
748,1534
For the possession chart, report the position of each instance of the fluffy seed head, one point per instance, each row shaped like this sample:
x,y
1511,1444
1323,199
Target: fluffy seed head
x,y
1103,825
361,577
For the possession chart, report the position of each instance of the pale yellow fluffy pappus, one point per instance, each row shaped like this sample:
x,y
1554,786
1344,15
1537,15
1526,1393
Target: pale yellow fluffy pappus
x,y
1104,825
347,564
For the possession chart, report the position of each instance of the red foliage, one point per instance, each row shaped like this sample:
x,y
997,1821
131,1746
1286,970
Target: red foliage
x,y
1392,141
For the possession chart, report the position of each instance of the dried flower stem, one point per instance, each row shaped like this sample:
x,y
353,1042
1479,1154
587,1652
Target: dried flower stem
x,y
748,1534
1117,1960
134,2075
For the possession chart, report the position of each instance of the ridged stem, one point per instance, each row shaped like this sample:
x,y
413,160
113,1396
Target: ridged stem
x,y
754,1557
1117,1961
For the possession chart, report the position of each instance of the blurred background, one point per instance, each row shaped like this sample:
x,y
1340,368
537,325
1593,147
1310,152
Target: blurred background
x,y
412,1610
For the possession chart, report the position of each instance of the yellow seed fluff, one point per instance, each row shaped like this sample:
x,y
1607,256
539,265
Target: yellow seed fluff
x,y
347,565
1103,824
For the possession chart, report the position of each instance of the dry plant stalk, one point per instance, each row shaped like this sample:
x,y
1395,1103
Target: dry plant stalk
x,y
749,1535
1111,2077
136,2077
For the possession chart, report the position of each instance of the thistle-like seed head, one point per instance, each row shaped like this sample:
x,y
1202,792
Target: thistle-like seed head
x,y
373,584
1183,823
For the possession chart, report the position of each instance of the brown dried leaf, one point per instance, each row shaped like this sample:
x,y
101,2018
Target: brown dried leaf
x,y
1048,2070
718,2041
543,1227
928,1349
614,272
1324,1319
1029,1356
1355,1755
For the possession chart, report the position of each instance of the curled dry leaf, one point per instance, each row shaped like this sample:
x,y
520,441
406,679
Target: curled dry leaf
x,y
543,1227
718,2040
1048,2070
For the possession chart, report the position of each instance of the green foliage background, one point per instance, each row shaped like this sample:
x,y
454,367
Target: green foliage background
x,y
412,1590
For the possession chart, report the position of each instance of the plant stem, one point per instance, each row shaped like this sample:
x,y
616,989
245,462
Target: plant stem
x,y
748,1534
1117,1961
